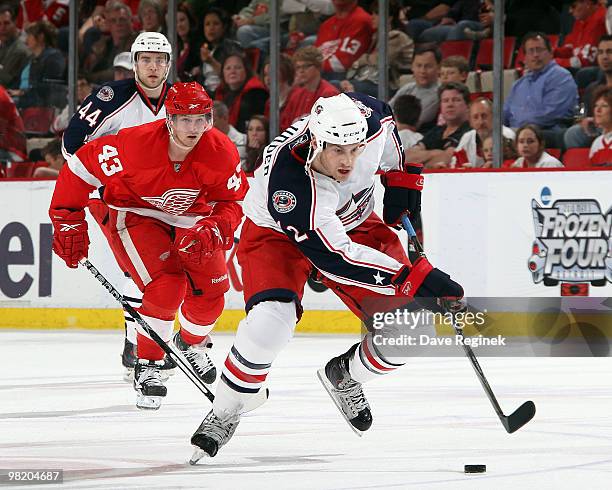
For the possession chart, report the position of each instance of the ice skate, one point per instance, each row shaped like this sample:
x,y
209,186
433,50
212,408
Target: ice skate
x,y
148,384
346,393
129,356
128,359
197,357
211,435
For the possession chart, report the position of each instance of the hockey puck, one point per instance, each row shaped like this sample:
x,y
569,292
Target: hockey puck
x,y
475,468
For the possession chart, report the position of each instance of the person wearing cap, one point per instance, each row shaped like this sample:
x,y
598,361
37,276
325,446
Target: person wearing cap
x,y
114,106
310,209
172,189
122,66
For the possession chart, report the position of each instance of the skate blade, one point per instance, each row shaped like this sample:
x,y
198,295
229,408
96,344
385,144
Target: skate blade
x,y
328,387
128,375
198,454
144,402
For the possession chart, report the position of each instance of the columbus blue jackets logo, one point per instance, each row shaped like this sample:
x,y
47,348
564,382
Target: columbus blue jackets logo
x,y
364,109
284,201
573,244
105,94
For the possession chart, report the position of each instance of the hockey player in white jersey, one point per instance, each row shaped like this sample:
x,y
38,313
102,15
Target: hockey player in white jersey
x,y
310,206
114,106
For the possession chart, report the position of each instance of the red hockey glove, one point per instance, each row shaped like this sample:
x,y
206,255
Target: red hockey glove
x,y
424,280
70,238
201,241
402,193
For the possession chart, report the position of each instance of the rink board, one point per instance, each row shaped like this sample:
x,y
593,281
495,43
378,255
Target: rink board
x,y
479,227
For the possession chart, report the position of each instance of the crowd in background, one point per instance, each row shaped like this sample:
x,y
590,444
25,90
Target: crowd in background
x,y
559,100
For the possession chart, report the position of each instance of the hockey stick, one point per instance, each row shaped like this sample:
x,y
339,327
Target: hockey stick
x,y
170,349
522,414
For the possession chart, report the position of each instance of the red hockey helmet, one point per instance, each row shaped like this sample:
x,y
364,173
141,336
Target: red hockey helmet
x,y
188,98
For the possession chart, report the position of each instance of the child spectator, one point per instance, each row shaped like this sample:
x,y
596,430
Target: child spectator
x,y
258,135
530,146
52,154
407,112
454,69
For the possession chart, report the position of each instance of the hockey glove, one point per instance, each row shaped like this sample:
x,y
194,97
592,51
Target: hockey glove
x,y
70,238
201,241
402,193
424,280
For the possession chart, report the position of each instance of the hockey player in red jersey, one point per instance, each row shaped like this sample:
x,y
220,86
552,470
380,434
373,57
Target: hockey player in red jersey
x,y
172,188
310,206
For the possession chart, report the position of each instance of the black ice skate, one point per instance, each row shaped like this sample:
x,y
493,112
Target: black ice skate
x,y
346,393
148,384
129,356
211,435
197,357
128,359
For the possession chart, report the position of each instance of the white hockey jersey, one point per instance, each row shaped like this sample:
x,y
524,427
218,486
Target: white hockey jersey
x,y
316,212
114,106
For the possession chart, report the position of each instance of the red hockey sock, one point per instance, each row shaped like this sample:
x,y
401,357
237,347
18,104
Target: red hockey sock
x,y
148,349
190,338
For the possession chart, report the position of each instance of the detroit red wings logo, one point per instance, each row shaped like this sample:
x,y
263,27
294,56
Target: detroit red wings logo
x,y
174,201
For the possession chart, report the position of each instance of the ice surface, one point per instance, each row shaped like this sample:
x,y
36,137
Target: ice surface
x,y
63,404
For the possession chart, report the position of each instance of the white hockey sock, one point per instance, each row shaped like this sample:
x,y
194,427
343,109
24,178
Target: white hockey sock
x,y
261,336
133,296
368,363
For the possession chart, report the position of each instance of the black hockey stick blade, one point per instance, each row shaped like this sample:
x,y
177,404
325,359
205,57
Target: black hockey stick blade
x,y
519,417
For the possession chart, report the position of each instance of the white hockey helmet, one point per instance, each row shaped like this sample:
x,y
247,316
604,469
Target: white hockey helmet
x,y
151,42
336,120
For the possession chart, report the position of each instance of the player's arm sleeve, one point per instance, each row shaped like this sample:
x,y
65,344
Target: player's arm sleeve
x,y
393,157
80,176
228,193
89,120
312,225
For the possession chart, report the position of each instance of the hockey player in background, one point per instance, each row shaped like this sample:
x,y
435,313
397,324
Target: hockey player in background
x,y
310,205
172,189
118,105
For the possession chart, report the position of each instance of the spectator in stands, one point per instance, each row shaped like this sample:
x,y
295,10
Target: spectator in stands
x,y
285,79
470,151
61,121
579,48
343,38
241,90
530,145
462,14
101,48
439,143
258,135
188,42
425,68
454,69
601,149
304,21
253,25
221,122
423,14
13,52
52,153
308,86
546,95
407,111
363,75
12,132
151,15
216,47
122,66
47,66
582,134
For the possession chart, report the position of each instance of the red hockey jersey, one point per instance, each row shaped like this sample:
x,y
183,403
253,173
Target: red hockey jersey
x,y
136,175
580,48
342,41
